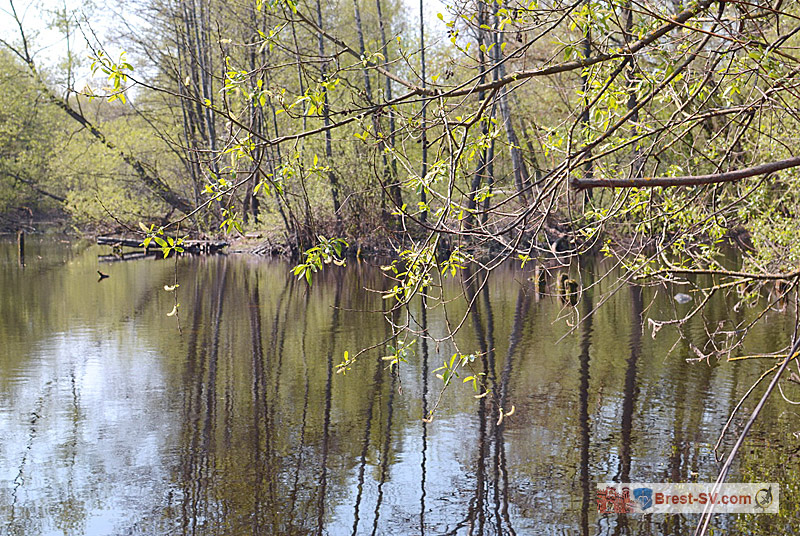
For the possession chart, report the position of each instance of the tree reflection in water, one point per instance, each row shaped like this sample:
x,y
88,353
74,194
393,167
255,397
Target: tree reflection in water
x,y
239,425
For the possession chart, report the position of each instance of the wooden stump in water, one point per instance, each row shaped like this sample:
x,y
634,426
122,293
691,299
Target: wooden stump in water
x,y
539,278
572,292
568,289
21,246
562,283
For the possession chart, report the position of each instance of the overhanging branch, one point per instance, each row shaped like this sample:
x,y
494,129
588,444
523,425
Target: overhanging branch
x,y
692,180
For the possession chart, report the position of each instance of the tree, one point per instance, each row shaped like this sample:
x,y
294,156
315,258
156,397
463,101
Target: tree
x,y
116,73
27,143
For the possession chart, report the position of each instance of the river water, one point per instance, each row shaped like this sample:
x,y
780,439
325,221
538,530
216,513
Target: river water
x,y
230,418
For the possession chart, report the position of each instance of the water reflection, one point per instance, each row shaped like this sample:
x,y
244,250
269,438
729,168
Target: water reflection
x,y
587,309
115,422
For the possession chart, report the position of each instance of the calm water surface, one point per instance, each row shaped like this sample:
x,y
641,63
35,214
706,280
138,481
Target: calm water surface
x,y
114,420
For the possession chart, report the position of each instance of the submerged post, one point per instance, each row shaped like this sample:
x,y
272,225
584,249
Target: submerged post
x,y
539,277
21,246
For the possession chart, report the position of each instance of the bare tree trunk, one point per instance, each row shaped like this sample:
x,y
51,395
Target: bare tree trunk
x,y
363,50
390,170
194,60
190,150
637,159
326,120
584,119
480,168
250,203
368,95
289,221
300,237
206,71
423,195
520,170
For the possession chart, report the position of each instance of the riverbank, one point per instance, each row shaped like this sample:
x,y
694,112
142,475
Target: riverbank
x,y
554,241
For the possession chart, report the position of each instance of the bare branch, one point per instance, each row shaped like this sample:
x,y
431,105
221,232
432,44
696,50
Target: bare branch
x,y
692,180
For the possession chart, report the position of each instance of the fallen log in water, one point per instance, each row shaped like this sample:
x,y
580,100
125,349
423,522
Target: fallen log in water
x,y
189,246
130,256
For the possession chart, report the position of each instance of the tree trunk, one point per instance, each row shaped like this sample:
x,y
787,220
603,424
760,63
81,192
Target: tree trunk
x,y
480,168
326,120
390,171
423,197
520,170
